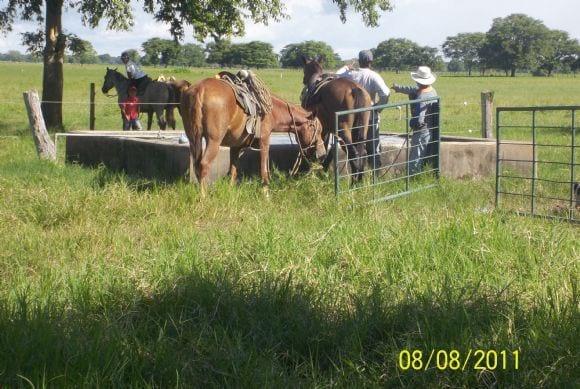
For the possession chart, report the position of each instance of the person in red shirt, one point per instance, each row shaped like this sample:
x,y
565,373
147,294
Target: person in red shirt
x,y
130,108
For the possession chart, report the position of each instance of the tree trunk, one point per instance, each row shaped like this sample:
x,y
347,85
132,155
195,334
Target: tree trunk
x,y
513,72
52,80
469,71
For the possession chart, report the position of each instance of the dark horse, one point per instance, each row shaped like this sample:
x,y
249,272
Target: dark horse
x,y
158,98
210,111
339,94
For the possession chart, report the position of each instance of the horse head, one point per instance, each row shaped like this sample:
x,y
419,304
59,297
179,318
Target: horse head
x,y
111,77
310,137
312,70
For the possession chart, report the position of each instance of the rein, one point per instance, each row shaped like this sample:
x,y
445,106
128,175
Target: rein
x,y
301,155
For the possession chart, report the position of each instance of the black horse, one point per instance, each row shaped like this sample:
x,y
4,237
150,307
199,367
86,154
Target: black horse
x,y
158,97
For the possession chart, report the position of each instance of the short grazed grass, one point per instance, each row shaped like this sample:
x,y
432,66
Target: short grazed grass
x,y
109,280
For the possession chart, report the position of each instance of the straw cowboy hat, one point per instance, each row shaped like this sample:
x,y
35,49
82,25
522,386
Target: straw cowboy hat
x,y
423,76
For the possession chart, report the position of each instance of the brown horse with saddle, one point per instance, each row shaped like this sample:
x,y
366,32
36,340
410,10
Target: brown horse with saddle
x,y
325,94
211,111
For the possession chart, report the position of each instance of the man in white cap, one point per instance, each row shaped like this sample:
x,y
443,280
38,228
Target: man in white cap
x,y
376,87
420,121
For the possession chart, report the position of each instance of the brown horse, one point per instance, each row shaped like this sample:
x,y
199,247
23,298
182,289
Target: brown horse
x,y
210,111
340,94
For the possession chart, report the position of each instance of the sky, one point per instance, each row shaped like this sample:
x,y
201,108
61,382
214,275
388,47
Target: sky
x,y
427,22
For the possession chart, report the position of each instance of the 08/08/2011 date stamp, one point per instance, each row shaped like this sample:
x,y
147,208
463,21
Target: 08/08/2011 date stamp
x,y
455,360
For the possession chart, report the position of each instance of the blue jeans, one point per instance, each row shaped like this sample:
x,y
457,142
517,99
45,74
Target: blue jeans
x,y
134,124
419,147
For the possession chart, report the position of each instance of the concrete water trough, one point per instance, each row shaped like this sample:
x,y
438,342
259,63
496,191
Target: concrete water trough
x,y
159,155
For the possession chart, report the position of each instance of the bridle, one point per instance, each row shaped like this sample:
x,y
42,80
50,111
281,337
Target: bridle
x,y
110,95
301,150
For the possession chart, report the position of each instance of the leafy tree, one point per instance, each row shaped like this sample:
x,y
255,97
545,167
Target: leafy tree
x,y
515,41
34,42
466,48
159,51
190,55
217,51
400,53
216,18
425,55
14,56
395,53
253,54
106,59
82,51
291,55
455,66
557,51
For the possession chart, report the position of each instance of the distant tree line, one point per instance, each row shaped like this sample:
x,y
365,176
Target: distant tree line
x,y
514,43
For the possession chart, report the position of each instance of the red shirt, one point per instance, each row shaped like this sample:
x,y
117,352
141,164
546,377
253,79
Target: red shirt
x,y
131,108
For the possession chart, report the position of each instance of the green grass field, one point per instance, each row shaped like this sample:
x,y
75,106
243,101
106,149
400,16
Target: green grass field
x,y
109,280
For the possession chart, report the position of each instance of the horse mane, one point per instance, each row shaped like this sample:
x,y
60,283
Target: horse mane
x,y
117,73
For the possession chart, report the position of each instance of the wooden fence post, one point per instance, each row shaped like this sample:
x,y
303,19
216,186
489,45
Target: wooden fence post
x,y
92,116
487,114
44,145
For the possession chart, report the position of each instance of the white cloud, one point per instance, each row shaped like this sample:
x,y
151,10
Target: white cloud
x,y
427,22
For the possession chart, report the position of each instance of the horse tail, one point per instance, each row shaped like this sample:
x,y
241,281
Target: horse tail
x,y
361,100
191,101
197,115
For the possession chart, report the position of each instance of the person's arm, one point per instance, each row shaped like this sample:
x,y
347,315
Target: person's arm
x,y
382,89
408,90
130,70
123,106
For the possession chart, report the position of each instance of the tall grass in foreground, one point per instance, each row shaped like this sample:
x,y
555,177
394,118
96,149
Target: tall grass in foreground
x,y
106,280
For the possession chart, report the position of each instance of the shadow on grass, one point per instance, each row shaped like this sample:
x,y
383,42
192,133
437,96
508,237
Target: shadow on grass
x,y
223,329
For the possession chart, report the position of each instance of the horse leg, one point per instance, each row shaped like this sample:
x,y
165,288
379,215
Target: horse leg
x,y
193,173
160,119
265,161
124,121
170,117
234,159
329,151
149,120
211,151
352,152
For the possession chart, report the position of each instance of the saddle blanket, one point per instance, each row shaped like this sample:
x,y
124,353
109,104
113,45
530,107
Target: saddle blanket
x,y
247,100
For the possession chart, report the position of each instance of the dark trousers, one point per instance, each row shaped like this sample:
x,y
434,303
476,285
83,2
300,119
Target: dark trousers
x,y
372,143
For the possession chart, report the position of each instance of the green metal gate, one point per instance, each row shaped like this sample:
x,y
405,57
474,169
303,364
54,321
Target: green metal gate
x,y
400,158
548,185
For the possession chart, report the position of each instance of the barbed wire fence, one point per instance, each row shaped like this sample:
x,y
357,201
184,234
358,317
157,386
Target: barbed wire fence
x,y
91,114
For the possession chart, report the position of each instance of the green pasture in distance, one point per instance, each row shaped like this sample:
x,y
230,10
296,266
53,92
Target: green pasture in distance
x,y
458,118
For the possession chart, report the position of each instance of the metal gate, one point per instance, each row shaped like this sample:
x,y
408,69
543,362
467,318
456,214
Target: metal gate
x,y
402,151
548,185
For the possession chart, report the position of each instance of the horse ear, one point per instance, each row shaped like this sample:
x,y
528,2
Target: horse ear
x,y
320,59
305,59
115,69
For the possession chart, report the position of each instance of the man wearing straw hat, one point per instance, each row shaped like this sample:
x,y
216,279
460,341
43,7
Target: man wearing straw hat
x,y
419,117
